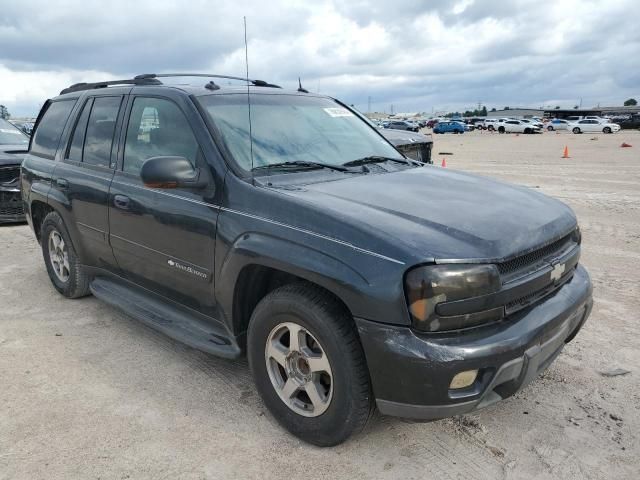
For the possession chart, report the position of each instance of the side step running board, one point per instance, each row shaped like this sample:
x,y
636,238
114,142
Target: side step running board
x,y
174,322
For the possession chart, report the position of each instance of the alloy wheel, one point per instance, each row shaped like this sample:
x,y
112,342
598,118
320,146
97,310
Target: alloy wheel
x,y
299,369
59,256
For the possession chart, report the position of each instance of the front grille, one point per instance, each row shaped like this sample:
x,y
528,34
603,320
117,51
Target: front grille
x,y
535,296
535,257
11,204
9,174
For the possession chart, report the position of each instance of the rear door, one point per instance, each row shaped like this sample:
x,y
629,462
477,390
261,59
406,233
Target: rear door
x,y
83,177
163,239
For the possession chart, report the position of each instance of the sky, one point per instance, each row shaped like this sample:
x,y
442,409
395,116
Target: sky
x,y
438,55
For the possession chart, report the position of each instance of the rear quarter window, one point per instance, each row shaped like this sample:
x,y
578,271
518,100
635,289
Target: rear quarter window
x,y
47,135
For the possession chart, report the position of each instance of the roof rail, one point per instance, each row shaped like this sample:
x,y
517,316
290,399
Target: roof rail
x,y
78,87
257,83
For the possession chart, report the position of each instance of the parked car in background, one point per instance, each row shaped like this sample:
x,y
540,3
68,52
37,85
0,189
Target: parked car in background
x,y
517,126
627,122
13,145
494,124
414,145
402,125
532,122
448,127
432,123
558,124
590,125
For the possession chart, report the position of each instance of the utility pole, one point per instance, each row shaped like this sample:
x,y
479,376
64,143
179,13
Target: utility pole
x,y
369,104
392,109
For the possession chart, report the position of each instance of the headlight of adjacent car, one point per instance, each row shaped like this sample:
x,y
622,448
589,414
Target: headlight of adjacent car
x,y
426,287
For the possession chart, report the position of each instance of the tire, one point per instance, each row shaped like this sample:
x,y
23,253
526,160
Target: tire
x,y
491,128
501,130
348,397
527,131
606,130
576,130
66,274
550,128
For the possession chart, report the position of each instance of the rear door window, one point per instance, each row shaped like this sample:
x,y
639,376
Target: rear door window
x,y
77,140
100,131
47,137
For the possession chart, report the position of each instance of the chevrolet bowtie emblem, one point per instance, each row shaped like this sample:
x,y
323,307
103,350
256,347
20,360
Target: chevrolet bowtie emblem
x,y
557,272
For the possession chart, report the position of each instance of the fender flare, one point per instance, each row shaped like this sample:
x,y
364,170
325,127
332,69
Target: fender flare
x,y
307,263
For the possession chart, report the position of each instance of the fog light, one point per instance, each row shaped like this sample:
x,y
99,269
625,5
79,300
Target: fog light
x,y
464,379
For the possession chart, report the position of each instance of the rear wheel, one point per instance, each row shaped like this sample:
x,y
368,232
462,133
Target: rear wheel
x,y
576,130
61,260
491,128
606,130
308,364
501,130
550,128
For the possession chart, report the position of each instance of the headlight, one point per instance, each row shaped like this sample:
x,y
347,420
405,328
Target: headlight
x,y
426,287
576,236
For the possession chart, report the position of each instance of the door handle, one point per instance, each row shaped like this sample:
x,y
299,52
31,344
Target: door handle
x,y
62,183
121,201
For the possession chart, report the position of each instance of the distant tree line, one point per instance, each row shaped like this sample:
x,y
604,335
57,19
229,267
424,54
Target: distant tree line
x,y
482,112
4,113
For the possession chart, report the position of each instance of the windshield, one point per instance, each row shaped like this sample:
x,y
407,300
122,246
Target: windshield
x,y
10,135
293,128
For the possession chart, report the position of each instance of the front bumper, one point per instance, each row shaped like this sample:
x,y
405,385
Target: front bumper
x,y
11,206
411,372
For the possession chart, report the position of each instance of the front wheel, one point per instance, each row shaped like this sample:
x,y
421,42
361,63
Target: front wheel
x,y
527,131
576,130
308,364
550,128
606,130
501,130
491,128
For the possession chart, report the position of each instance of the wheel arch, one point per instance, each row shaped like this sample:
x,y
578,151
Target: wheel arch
x,y
257,264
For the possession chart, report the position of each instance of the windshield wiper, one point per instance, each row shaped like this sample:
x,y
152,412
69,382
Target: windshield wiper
x,y
300,164
373,159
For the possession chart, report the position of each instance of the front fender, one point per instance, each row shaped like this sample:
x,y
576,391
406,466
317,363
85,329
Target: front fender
x,y
368,293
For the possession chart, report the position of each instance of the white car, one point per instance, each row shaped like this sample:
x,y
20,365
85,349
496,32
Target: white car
x,y
517,126
494,124
558,124
533,122
591,125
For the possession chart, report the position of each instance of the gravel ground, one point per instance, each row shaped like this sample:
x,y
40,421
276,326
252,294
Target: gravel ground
x,y
87,393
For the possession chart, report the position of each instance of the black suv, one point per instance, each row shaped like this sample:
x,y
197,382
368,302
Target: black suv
x,y
282,225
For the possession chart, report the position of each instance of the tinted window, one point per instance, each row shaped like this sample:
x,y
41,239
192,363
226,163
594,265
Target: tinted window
x,y
157,127
49,131
75,149
100,129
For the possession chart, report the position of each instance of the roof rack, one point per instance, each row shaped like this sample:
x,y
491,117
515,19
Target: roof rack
x,y
257,83
152,79
78,87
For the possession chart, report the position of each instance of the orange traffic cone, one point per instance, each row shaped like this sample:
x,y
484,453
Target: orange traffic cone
x,y
625,145
566,152
444,163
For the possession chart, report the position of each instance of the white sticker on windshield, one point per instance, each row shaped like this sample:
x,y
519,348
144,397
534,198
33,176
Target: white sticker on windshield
x,y
338,112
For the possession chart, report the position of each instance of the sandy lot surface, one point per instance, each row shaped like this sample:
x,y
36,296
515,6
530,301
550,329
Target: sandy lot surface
x,y
88,393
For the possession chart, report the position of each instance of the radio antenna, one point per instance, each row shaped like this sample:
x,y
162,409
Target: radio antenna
x,y
246,61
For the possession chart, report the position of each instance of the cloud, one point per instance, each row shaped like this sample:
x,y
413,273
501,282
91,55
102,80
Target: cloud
x,y
416,55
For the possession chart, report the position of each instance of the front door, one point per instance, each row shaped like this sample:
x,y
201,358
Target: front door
x,y
163,239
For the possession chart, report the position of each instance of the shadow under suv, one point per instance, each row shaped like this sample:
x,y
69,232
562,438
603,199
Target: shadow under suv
x,y
282,225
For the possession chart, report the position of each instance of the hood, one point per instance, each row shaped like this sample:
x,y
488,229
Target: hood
x,y
433,213
404,137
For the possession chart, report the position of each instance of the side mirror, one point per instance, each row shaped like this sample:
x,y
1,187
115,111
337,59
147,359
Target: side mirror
x,y
170,172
